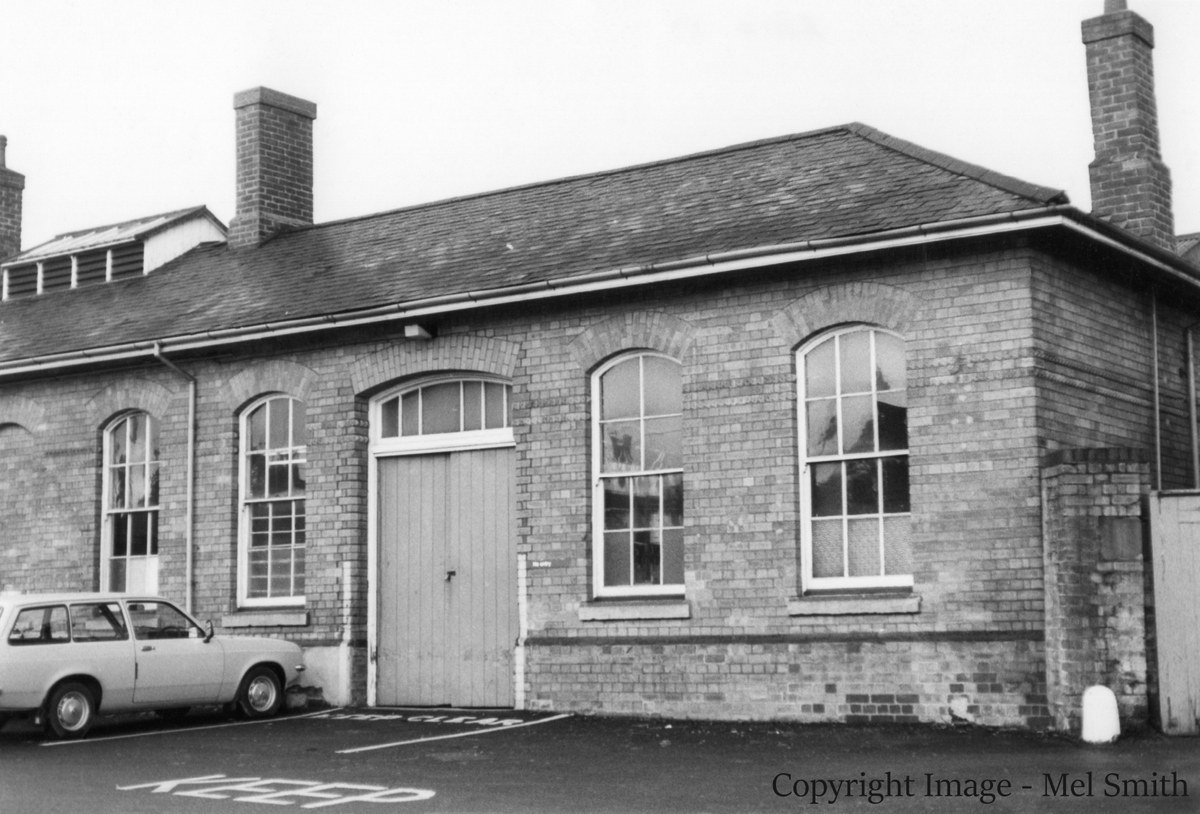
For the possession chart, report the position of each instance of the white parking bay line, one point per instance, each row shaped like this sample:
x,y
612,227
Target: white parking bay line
x,y
190,728
458,735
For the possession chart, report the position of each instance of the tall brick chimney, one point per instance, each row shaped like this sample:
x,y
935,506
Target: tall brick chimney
x,y
12,184
1131,187
274,165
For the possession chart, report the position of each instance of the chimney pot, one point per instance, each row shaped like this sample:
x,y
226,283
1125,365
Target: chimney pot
x,y
274,165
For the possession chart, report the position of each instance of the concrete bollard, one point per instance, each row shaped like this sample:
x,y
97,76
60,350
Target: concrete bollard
x,y
1100,722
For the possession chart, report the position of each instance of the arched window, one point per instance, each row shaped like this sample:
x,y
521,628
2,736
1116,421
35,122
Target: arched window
x,y
638,464
129,556
854,448
272,527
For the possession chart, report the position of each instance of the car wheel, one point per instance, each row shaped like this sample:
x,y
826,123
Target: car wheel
x,y
70,711
261,694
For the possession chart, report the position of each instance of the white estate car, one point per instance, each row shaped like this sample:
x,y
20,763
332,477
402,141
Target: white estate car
x,y
67,657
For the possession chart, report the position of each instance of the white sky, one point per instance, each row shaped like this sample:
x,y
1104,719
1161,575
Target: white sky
x,y
116,110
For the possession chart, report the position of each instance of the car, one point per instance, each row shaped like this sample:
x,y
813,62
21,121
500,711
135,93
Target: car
x,y
66,658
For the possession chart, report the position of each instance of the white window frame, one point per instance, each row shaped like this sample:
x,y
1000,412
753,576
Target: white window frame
x,y
844,583
244,522
442,441
107,512
599,589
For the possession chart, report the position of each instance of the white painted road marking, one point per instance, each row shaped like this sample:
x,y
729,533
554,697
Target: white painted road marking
x,y
177,730
266,790
456,735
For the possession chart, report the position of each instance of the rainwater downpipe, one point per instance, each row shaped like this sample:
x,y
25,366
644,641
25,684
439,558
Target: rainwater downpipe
x,y
1194,431
191,469
1157,400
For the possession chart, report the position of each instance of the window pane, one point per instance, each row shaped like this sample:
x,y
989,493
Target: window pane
x,y
496,398
826,489
818,371
616,503
858,424
152,519
862,487
664,443
621,446
153,501
620,393
257,475
298,479
116,498
277,480
440,408
297,571
893,420
897,546
152,437
137,438
277,423
895,485
120,541
863,547
822,427
116,575
137,486
890,373
389,418
673,500
137,535
281,572
827,548
664,386
647,557
646,504
616,558
856,361
410,413
117,441
672,554
299,424
97,623
257,427
472,406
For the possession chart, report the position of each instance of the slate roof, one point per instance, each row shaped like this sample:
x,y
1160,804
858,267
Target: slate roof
x,y
841,181
98,236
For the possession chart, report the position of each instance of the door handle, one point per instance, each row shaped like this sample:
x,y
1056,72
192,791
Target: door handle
x,y
450,575
146,647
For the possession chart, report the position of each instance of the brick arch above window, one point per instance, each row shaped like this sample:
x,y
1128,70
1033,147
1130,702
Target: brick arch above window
x,y
275,376
22,412
649,330
864,302
141,395
480,354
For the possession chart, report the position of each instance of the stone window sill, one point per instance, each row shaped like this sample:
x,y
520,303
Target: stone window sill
x,y
624,610
849,604
289,618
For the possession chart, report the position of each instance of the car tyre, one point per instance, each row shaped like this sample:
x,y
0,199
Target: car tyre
x,y
71,710
261,694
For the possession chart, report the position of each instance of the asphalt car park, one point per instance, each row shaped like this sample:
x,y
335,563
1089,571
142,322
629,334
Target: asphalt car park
x,y
370,760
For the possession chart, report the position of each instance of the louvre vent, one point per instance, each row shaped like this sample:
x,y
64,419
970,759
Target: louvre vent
x,y
93,268
56,274
127,261
22,281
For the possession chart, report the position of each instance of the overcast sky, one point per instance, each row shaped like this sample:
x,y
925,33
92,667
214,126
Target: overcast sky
x,y
115,110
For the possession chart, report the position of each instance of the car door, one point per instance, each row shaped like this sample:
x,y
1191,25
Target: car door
x,y
101,648
175,665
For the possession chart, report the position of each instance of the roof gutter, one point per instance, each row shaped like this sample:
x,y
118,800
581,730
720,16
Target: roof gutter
x,y
690,268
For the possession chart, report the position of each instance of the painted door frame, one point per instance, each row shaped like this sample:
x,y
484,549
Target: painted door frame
x,y
379,447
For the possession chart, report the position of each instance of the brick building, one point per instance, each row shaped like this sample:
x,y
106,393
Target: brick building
x,y
821,427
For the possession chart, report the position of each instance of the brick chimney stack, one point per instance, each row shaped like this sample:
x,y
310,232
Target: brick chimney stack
x,y
274,165
12,184
1131,187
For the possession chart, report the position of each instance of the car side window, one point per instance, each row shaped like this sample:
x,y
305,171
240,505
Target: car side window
x,y
41,626
158,620
98,622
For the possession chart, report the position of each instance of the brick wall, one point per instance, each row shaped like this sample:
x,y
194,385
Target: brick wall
x,y
969,318
11,186
1095,580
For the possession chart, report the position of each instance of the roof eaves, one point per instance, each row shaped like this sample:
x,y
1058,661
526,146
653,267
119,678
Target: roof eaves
x,y
1046,195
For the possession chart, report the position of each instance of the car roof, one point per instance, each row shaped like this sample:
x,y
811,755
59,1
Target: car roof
x,y
41,599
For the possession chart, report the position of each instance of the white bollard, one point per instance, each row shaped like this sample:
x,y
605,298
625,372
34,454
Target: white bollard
x,y
1100,722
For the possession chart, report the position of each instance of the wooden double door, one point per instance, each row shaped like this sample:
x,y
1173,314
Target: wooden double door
x,y
447,613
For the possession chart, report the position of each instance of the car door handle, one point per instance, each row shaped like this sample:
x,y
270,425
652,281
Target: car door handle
x,y
146,647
